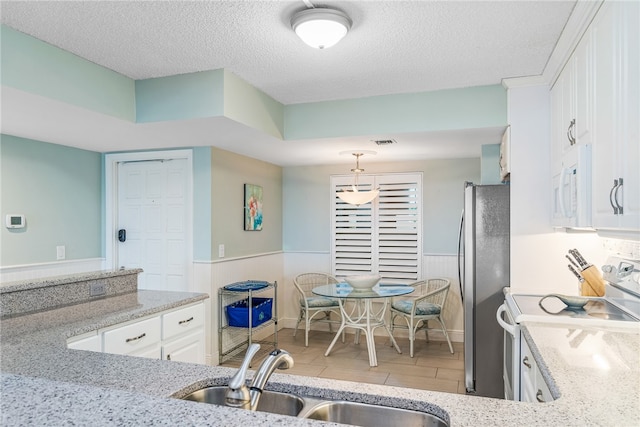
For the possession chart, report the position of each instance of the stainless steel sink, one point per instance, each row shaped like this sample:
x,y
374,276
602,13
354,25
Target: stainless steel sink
x,y
271,401
338,411
362,414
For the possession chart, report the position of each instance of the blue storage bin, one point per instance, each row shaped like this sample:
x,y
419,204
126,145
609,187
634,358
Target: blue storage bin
x,y
238,312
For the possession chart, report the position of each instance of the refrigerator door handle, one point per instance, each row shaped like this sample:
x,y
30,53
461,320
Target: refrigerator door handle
x,y
460,232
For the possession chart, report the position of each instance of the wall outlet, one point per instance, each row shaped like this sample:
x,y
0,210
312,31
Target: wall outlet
x,y
220,251
60,253
97,289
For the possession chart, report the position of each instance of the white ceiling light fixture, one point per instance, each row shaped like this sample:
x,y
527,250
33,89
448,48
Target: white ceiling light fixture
x,y
320,27
355,197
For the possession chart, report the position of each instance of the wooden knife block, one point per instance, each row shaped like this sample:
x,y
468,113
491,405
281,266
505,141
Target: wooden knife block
x,y
593,285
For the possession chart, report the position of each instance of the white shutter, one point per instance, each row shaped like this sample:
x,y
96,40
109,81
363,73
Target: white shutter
x,y
352,228
384,236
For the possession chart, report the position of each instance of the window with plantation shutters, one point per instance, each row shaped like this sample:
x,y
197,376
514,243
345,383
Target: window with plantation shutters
x,y
384,236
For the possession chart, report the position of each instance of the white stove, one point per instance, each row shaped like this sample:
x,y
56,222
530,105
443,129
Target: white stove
x,y
618,310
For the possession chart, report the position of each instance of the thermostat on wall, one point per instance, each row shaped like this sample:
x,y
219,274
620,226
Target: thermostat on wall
x,y
15,221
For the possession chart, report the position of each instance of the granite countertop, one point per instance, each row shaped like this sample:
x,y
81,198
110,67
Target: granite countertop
x,y
44,383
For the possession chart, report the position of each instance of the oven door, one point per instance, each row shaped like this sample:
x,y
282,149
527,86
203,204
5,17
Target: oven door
x,y
511,365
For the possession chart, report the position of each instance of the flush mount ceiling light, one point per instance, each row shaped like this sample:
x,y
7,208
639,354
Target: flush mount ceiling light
x,y
320,27
355,197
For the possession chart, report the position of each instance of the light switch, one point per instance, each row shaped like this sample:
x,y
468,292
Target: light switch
x,y
60,252
221,251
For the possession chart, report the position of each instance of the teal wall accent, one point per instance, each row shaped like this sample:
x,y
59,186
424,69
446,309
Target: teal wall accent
x,y
491,164
466,108
306,191
59,190
34,66
202,250
185,96
229,173
252,107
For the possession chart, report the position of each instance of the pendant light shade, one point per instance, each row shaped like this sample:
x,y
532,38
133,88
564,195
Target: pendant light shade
x,y
356,197
320,27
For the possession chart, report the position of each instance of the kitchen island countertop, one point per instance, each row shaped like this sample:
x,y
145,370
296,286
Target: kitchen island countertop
x,y
44,383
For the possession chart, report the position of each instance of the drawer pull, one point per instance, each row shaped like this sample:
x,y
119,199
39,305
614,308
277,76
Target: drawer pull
x,y
139,337
525,362
185,321
539,396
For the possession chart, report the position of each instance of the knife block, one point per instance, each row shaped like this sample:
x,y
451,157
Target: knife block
x,y
593,285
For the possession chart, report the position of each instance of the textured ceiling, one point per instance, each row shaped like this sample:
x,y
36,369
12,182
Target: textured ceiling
x,y
393,46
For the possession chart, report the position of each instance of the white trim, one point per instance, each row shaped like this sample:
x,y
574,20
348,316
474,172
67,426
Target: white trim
x,y
217,261
513,82
111,198
579,20
47,269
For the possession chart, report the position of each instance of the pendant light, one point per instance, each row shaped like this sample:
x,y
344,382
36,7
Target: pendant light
x,y
320,27
356,197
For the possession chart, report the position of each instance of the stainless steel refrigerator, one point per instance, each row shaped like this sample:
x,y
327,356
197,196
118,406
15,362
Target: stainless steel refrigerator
x,y
483,269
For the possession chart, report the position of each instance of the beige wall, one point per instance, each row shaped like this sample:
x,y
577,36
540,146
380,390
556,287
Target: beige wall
x,y
229,173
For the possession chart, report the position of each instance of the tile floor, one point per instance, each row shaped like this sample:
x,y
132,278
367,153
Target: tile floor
x,y
433,367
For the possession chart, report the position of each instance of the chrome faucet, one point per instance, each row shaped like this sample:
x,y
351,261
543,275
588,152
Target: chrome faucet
x,y
238,394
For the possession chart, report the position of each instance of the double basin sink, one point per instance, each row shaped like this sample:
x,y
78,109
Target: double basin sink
x,y
338,411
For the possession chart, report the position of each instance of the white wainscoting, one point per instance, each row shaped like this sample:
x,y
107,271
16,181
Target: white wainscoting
x,y
211,276
433,266
48,269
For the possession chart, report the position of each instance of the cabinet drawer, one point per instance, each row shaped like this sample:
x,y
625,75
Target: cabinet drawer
x,y
90,342
183,320
134,337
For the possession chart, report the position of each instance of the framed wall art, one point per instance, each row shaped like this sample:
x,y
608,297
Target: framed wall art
x,y
252,207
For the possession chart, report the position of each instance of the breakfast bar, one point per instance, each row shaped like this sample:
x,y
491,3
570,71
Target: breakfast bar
x,y
44,382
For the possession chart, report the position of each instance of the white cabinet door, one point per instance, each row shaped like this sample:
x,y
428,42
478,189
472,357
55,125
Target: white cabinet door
x,y
583,85
189,348
533,387
527,374
630,127
137,339
616,176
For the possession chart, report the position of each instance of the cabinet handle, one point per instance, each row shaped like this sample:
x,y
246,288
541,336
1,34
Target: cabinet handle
x,y
615,207
570,137
539,396
615,196
525,362
139,337
185,321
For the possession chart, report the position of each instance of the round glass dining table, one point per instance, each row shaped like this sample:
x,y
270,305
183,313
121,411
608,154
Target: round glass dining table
x,y
361,315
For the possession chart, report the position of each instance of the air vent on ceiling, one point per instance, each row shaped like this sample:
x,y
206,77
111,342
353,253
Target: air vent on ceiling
x,y
384,141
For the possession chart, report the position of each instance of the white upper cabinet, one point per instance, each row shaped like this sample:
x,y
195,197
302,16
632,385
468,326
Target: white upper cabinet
x,y
572,98
616,153
596,103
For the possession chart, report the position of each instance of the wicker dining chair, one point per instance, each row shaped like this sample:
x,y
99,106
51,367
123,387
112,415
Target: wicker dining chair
x,y
312,305
417,311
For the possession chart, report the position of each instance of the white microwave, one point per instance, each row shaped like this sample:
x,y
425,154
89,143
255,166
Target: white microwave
x,y
572,189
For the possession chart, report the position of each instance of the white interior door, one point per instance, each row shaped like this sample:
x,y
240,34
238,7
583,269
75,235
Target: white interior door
x,y
153,210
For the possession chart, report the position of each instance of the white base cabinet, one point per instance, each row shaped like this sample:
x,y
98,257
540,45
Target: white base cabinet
x,y
533,388
171,335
